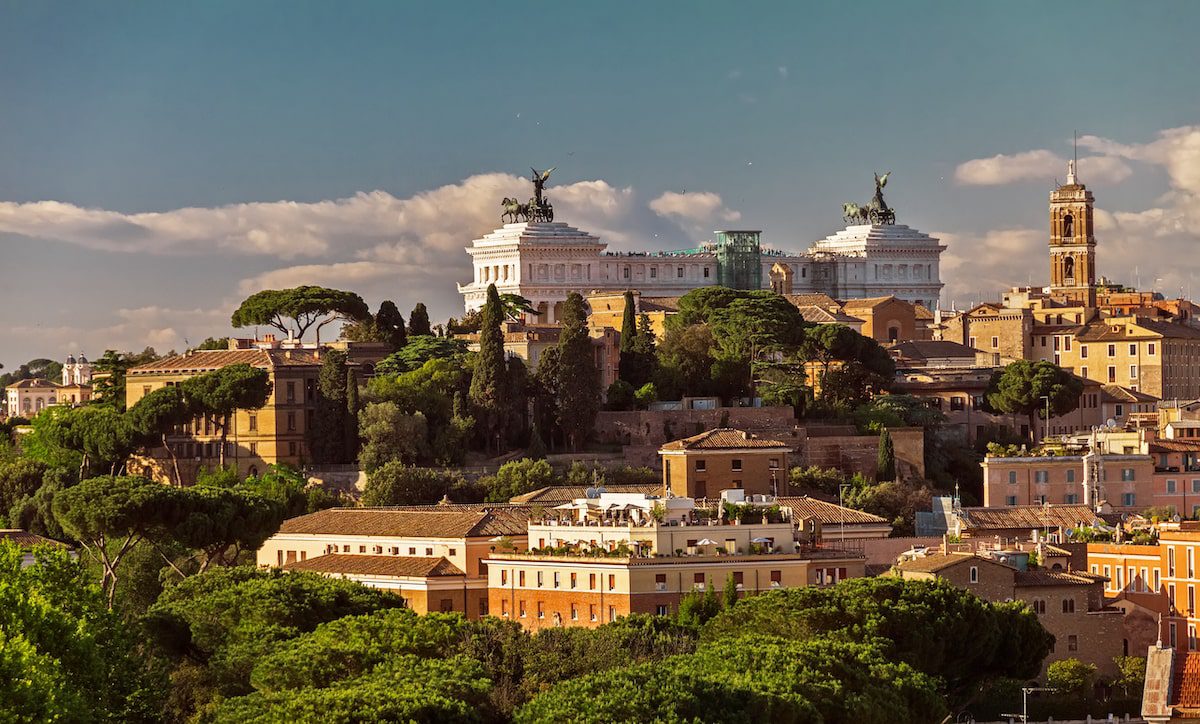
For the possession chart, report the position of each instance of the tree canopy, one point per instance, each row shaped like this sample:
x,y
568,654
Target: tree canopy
x,y
299,308
1019,389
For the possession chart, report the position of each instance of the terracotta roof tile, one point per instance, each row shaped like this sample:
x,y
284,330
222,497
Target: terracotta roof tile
x,y
866,302
1161,446
926,348
430,522
922,312
26,539
1124,394
33,383
723,438
1043,577
827,513
206,360
934,562
659,304
556,494
1186,688
1028,516
812,300
379,565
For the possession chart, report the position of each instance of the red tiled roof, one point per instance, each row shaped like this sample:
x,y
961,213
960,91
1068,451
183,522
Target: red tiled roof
x,y
926,348
1028,516
430,522
380,565
1043,577
556,494
867,302
827,513
1185,690
823,301
25,539
1161,446
659,304
922,312
723,438
935,562
215,359
1124,394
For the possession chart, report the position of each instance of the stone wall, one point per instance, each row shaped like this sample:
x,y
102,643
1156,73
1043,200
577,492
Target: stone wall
x,y
655,427
859,453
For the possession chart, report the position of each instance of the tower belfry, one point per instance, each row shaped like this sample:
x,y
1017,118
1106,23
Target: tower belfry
x,y
1072,242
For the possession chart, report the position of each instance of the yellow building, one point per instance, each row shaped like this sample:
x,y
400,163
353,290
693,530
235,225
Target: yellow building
x,y
1157,358
607,309
432,556
275,433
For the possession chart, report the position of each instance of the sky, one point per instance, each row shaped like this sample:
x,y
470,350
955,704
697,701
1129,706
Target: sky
x,y
160,161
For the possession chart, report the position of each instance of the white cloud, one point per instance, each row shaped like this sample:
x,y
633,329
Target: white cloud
x,y
130,330
979,267
1039,164
693,210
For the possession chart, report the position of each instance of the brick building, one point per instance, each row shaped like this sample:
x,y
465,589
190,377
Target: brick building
x,y
1124,482
723,458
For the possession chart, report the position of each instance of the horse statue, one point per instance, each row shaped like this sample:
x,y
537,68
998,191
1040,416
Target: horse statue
x,y
853,213
514,210
543,211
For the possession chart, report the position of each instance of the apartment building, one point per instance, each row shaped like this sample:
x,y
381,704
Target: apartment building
x,y
1123,482
597,559
1069,604
432,556
722,458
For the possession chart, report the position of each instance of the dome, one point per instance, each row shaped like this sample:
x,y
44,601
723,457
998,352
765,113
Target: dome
x,y
82,359
70,359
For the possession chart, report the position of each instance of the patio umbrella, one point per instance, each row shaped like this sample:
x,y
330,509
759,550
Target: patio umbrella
x,y
706,542
760,540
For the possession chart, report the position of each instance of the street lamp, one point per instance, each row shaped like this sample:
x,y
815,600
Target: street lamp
x,y
1025,701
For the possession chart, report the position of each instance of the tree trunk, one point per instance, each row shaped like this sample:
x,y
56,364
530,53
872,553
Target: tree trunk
x,y
1033,428
224,433
174,461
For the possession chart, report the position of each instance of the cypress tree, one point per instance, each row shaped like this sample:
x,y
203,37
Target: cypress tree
x,y
578,378
488,382
628,362
350,419
327,438
418,321
389,325
536,449
885,464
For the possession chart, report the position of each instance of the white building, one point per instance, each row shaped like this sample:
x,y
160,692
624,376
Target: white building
x,y
28,397
543,262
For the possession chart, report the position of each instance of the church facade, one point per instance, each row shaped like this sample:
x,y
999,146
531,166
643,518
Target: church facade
x,y
545,261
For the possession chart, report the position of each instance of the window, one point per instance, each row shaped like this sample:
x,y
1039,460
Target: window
x,y
541,609
1195,486
447,605
1171,562
660,581
612,614
574,579
1149,349
1172,636
1133,372
1145,582
972,342
310,389
1083,351
1068,605
736,465
1012,477
698,580
737,579
521,609
957,403
592,583
521,578
1041,476
291,391
291,422
700,466
1070,476
556,579
1039,606
773,464
612,581
591,611
974,574
504,608
1129,500
292,448
1112,350
539,579
625,272
1112,374
995,343
1070,498
1133,349
679,273
429,552
653,272
1083,373
660,609
253,422
1191,562
1010,500
706,272
1127,475
1170,486
1072,643
503,575
574,612
1120,578
1191,600
776,578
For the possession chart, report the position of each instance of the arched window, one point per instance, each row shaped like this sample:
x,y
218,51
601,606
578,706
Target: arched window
x,y
1068,226
1069,267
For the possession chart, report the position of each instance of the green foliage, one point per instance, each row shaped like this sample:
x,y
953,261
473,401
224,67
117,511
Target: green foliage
x,y
895,500
1131,674
578,378
517,477
1071,676
386,326
489,388
395,483
63,655
429,391
729,594
217,395
620,396
420,350
214,343
921,623
1019,388
391,436
20,478
109,372
697,607
327,438
217,625
536,449
418,321
885,461
50,440
289,488
685,362
645,396
299,308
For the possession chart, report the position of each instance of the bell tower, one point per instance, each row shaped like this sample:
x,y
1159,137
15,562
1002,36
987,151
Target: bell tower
x,y
1072,242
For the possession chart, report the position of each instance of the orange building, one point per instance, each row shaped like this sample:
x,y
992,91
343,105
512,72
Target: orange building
x,y
598,559
724,458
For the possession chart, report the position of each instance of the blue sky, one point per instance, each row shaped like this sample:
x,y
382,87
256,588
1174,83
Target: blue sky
x,y
168,132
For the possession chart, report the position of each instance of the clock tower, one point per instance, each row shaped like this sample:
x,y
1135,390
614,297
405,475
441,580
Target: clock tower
x,y
1072,243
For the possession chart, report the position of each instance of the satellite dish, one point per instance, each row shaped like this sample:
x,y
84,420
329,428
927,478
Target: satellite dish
x,y
1110,423
591,493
